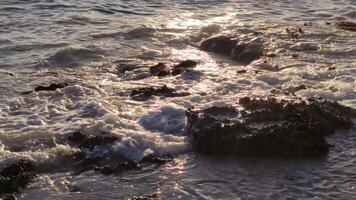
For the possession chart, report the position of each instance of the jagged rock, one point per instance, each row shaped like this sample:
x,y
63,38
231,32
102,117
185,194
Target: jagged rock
x,y
268,127
90,142
16,176
241,51
145,93
346,25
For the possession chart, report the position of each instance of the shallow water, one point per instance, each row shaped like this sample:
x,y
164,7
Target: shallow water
x,y
84,42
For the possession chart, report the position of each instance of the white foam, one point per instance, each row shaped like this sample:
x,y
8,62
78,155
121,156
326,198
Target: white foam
x,y
169,119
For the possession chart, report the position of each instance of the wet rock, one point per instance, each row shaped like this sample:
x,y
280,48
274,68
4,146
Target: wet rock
x,y
243,71
157,159
241,51
187,64
51,87
124,166
268,127
183,66
159,69
145,93
332,68
247,52
346,25
90,142
16,176
162,69
219,44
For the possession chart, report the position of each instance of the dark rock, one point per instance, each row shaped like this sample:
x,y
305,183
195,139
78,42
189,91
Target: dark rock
x,y
187,64
219,44
157,159
163,73
268,127
346,25
241,51
160,67
16,176
124,166
331,68
177,71
145,93
51,87
90,142
243,71
246,53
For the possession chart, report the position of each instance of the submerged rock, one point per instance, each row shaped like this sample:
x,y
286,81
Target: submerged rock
x,y
219,44
90,142
51,87
124,166
247,52
346,25
16,176
241,51
268,127
145,93
161,69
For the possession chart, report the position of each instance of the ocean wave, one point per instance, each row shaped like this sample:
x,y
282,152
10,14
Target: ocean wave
x,y
73,57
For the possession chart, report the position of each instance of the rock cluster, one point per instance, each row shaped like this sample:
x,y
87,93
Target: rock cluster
x,y
268,127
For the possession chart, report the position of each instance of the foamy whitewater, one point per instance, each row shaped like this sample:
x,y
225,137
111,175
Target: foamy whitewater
x,y
84,43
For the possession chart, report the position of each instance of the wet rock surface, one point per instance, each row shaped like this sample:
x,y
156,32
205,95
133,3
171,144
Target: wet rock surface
x,y
105,164
241,51
15,177
268,127
143,94
346,25
90,142
162,69
51,87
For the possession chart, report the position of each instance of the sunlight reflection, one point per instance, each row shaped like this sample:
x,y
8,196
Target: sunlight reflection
x,y
176,167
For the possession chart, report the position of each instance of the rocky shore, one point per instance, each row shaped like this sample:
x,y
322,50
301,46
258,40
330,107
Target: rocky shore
x,y
276,125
